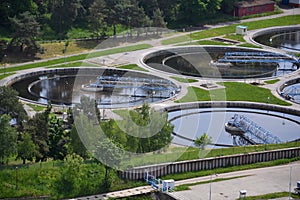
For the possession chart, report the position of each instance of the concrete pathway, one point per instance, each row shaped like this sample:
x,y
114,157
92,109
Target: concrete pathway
x,y
255,182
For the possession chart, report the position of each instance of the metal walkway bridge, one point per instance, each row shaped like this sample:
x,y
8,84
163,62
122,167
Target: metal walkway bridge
x,y
292,91
129,82
252,132
257,57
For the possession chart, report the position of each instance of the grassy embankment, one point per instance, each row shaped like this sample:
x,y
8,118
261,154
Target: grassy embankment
x,y
75,58
230,29
246,92
39,179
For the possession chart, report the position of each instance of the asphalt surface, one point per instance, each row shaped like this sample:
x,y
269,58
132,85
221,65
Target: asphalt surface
x,y
256,182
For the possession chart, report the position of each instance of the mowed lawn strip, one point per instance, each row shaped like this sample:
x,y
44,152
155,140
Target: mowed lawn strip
x,y
214,32
234,91
77,57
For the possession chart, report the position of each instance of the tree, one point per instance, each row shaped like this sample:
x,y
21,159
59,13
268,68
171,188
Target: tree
x,y
26,30
63,16
169,9
98,17
76,145
110,155
8,138
149,6
158,19
227,5
26,148
38,127
10,104
191,11
212,7
58,139
70,176
203,141
151,130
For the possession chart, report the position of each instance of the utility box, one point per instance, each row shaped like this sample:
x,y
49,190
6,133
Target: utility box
x,y
298,184
241,30
168,185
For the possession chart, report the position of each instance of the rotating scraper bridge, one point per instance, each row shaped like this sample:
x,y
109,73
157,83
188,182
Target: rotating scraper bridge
x,y
257,57
161,87
248,132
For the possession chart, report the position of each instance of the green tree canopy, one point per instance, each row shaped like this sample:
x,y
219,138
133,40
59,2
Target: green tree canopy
x,y
26,29
203,141
10,104
58,138
38,127
8,138
26,148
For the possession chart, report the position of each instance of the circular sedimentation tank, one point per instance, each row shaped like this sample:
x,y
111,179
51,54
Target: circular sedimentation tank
x,y
109,87
285,38
290,90
193,121
220,62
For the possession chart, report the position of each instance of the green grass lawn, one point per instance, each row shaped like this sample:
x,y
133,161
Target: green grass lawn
x,y
74,64
2,76
275,195
132,67
272,81
37,179
281,21
236,37
37,108
175,40
77,57
205,42
184,80
249,46
234,91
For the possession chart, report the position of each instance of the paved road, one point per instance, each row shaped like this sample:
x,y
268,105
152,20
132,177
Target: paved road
x,y
257,182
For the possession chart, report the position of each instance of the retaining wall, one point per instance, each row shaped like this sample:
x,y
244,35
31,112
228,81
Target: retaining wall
x,y
209,163
234,104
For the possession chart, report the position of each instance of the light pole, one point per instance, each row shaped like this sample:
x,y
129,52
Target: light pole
x,y
16,178
211,185
4,64
290,184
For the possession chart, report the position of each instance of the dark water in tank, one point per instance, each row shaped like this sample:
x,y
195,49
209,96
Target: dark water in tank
x,y
193,123
286,40
65,89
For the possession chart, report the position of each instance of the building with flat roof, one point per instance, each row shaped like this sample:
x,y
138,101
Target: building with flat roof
x,y
251,7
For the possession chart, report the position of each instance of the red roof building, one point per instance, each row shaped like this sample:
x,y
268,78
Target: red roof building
x,y
251,7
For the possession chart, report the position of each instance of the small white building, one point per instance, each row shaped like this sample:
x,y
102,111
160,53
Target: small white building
x,y
241,30
168,185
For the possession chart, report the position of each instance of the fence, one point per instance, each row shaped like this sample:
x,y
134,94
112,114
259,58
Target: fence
x,y
209,163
